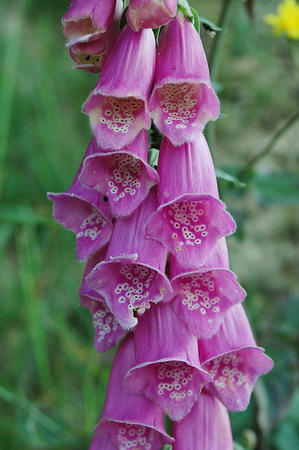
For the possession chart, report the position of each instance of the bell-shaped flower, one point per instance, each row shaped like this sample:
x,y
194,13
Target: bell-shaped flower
x,y
90,55
201,298
207,427
191,218
107,329
87,19
166,368
183,99
150,13
133,274
233,360
85,212
124,176
117,107
128,421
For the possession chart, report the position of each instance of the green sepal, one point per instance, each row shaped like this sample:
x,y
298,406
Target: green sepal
x,y
196,21
221,174
185,9
153,156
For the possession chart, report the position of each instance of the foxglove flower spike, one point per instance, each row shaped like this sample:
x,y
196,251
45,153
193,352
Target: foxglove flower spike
x,y
183,99
150,13
133,274
107,329
128,421
233,360
206,427
85,212
117,107
90,55
87,19
191,218
166,367
203,297
124,176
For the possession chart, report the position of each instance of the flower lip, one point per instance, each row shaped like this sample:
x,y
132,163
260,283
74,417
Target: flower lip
x,y
124,311
175,409
168,439
203,296
220,224
72,196
83,215
103,172
88,18
233,383
244,347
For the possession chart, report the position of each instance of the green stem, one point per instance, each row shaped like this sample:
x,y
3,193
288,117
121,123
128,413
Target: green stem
x,y
268,147
214,60
215,55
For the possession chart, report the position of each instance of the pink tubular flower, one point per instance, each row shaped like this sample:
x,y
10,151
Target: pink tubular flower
x,y
166,367
150,13
128,421
107,329
191,218
206,427
183,99
233,360
117,107
133,274
90,55
203,297
85,212
87,19
124,176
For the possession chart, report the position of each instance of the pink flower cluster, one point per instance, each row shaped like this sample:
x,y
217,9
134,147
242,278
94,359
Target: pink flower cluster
x,y
157,274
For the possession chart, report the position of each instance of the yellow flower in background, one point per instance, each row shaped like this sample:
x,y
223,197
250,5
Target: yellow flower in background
x,y
286,21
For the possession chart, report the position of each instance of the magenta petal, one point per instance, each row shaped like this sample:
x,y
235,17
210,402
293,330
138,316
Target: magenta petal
x,y
191,218
133,274
107,329
183,99
87,18
166,368
233,360
123,176
207,427
203,297
85,212
150,13
128,421
117,107
90,55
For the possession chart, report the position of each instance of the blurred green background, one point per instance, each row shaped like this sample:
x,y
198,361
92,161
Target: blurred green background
x,y
52,384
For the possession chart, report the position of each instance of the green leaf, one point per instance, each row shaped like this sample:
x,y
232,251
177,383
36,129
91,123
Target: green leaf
x,y
277,188
153,156
209,25
36,418
228,177
196,21
24,215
